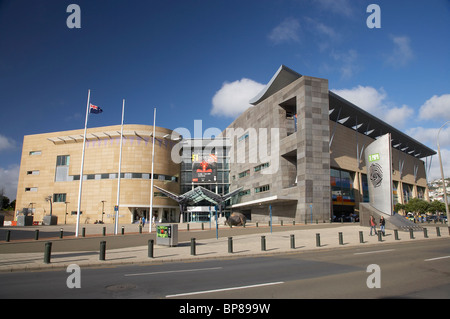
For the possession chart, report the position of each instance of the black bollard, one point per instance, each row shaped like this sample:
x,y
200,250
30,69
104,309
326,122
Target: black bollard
x,y
292,242
411,233
438,231
104,231
193,248
150,248
396,234
83,232
61,233
230,245
341,239
8,235
102,250
140,229
361,237
425,233
380,236
47,252
36,234
317,240
123,230
263,243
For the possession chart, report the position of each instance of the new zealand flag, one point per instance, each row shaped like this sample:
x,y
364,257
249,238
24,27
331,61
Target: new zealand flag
x,y
95,109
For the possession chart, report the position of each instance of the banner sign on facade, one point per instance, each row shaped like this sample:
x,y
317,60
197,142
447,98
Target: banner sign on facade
x,y
204,168
379,174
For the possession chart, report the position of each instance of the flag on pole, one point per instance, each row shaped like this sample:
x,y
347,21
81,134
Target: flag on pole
x,y
95,109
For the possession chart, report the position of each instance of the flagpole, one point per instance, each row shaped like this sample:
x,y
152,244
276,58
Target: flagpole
x,y
116,226
151,183
82,165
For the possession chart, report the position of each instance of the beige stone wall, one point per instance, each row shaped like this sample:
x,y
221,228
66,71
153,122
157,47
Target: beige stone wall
x,y
343,156
101,157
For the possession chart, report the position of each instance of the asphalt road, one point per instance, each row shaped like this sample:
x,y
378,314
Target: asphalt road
x,y
407,270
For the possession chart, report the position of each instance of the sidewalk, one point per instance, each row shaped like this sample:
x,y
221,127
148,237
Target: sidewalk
x,y
277,242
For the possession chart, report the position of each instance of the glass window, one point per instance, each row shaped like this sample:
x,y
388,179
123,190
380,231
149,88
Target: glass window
x,y
35,153
395,192
407,192
244,173
62,160
342,187
261,189
365,187
59,198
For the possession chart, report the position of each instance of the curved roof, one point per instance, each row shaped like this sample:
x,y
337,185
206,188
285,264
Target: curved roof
x,y
352,116
281,79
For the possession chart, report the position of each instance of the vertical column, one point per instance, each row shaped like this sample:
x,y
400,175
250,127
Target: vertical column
x,y
313,149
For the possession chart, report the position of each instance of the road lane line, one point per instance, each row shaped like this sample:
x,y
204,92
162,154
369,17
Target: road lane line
x,y
171,271
373,252
437,258
224,289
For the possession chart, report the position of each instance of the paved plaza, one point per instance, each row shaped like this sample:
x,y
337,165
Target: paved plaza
x,y
24,253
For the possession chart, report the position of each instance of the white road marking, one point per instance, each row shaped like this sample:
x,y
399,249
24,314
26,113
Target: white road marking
x,y
374,252
224,289
437,258
171,271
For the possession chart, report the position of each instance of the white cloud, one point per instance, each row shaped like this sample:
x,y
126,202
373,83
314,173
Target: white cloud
x,y
437,107
6,143
435,170
376,103
402,53
233,98
399,115
428,136
8,181
286,31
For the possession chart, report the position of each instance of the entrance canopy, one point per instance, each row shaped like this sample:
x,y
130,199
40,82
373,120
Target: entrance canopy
x,y
197,195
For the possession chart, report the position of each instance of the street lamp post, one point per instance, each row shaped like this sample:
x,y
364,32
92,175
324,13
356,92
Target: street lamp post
x,y
103,209
65,215
442,174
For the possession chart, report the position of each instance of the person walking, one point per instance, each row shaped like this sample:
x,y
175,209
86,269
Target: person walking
x,y
373,225
382,224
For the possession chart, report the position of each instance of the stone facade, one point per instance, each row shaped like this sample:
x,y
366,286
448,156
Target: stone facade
x,y
41,175
304,144
298,175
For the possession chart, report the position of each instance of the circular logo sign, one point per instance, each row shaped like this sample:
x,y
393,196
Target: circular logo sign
x,y
376,174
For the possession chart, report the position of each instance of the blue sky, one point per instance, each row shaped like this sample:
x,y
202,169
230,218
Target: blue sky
x,y
203,59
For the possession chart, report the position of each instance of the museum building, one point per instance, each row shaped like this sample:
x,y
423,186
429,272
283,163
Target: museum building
x,y
297,154
303,149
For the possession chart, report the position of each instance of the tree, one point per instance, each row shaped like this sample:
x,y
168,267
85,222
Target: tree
x,y
436,206
398,207
417,205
